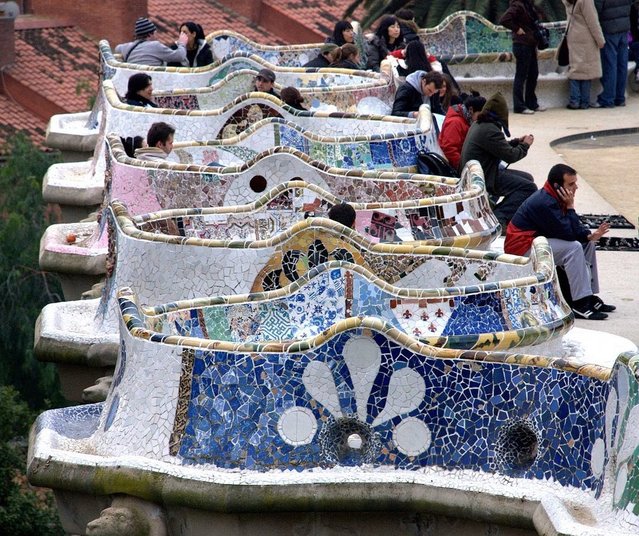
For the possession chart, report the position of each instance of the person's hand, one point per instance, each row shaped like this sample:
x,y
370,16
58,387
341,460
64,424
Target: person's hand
x,y
601,230
521,31
567,196
415,115
528,138
183,39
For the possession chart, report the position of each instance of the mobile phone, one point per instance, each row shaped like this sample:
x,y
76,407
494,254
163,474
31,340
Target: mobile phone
x,y
556,186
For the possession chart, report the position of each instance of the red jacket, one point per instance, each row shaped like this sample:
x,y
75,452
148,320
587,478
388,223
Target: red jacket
x,y
453,134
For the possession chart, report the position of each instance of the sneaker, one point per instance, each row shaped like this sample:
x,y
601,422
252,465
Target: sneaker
x,y
588,312
526,111
599,105
540,109
572,106
599,305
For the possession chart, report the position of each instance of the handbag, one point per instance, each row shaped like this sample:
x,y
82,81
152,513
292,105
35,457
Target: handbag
x,y
542,36
563,54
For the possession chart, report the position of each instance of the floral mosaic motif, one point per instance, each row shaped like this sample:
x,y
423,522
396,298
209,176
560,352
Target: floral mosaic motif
x,y
351,439
244,118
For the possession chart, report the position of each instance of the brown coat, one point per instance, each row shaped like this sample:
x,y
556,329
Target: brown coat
x,y
585,38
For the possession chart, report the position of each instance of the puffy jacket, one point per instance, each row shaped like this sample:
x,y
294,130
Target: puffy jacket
x,y
614,15
542,215
453,134
486,143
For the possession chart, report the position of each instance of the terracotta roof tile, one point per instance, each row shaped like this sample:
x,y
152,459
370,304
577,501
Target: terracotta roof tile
x,y
316,14
17,119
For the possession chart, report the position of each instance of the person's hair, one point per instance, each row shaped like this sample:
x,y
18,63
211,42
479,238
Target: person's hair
x,y
340,26
137,82
416,57
384,24
435,77
474,101
195,28
450,91
343,213
292,97
130,144
557,172
349,51
159,132
405,14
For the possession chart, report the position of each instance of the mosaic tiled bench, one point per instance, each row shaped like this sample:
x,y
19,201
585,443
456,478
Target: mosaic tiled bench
x,y
456,210
202,414
243,265
259,118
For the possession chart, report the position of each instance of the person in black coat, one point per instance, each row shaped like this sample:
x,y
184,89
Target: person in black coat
x,y
348,57
326,56
342,33
387,38
417,90
140,91
406,19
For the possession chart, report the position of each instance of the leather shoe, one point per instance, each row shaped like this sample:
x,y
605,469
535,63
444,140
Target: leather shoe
x,y
598,305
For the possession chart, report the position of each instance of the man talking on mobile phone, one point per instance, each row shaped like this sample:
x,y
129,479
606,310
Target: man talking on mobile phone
x,y
550,212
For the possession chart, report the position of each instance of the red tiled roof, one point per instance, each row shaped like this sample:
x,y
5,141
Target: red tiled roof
x,y
58,63
168,14
316,14
17,119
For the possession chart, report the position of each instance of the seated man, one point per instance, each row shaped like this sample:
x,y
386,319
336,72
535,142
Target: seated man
x,y
147,50
343,213
159,139
325,57
486,142
264,82
417,90
550,212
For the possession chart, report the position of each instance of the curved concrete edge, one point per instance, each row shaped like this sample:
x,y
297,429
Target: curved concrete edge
x,y
73,184
58,339
500,500
86,256
595,133
68,132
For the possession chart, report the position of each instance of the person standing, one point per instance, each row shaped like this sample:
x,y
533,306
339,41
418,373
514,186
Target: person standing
x,y
614,18
585,38
521,18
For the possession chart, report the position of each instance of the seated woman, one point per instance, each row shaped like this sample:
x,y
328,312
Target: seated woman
x,y
459,117
198,51
387,38
140,91
416,59
292,97
348,57
342,33
327,55
440,101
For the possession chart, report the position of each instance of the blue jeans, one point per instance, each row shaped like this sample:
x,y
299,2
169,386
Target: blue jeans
x,y
614,65
526,73
580,93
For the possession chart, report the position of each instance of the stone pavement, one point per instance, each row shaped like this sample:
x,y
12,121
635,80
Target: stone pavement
x,y
618,270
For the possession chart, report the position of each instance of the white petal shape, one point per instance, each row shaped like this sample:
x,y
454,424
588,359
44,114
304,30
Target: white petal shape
x,y
631,436
412,436
620,486
622,389
406,390
297,426
363,357
611,412
597,457
319,382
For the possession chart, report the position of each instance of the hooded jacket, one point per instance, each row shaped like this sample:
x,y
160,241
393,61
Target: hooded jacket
x,y
453,134
409,96
486,141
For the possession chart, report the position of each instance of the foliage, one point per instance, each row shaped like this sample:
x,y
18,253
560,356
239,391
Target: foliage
x,y
24,511
24,289
429,13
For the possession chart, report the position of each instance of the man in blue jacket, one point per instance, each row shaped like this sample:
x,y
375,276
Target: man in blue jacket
x,y
550,212
614,17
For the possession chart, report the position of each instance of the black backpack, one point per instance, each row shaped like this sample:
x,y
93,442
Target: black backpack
x,y
434,164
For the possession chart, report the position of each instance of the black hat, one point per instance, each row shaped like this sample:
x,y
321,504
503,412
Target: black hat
x,y
143,27
267,74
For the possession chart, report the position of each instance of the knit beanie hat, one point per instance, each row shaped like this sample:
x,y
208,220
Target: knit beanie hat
x,y
497,105
143,27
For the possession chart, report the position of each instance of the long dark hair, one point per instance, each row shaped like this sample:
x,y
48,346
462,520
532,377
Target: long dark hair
x,y
338,38
137,82
416,57
382,28
195,28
